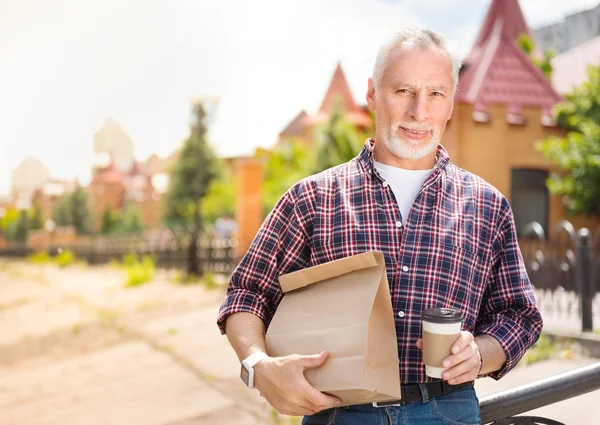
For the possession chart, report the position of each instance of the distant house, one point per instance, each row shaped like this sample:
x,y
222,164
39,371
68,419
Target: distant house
x,y
31,174
502,107
338,94
113,139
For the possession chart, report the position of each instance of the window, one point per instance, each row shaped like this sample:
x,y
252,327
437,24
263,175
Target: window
x,y
529,198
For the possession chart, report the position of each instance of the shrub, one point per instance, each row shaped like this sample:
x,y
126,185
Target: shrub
x,y
129,259
139,272
65,258
41,257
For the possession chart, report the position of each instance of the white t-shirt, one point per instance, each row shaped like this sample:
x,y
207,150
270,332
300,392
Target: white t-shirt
x,y
405,184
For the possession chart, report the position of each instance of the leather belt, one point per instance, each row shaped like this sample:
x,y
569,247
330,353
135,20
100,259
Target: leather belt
x,y
412,392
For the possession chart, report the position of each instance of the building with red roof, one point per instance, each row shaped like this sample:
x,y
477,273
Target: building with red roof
x,y
502,108
338,95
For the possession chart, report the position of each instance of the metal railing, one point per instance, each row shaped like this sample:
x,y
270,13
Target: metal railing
x,y
502,407
563,269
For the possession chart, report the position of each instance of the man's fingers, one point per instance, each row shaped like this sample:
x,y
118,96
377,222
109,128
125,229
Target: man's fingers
x,y
465,377
462,341
318,399
315,360
460,357
420,344
469,366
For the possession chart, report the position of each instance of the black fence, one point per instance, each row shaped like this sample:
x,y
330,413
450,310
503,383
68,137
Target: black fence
x,y
564,269
169,249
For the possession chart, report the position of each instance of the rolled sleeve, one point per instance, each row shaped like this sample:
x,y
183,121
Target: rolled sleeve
x,y
280,246
509,312
244,301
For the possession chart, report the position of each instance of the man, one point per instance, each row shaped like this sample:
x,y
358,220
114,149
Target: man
x,y
448,238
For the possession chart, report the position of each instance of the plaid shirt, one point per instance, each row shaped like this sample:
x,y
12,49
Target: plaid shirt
x,y
457,249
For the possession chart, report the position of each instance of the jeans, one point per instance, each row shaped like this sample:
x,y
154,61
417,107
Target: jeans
x,y
457,408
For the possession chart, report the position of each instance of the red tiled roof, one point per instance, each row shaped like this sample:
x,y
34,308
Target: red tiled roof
x,y
513,20
296,126
338,89
497,71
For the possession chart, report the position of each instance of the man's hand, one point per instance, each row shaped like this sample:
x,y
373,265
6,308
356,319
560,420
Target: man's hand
x,y
281,382
464,363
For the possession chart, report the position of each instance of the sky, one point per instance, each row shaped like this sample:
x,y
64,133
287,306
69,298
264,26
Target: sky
x,y
68,65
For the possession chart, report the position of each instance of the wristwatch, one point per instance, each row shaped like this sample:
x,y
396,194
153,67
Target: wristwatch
x,y
247,372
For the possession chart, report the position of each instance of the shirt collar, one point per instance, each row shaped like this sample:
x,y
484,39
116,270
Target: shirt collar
x,y
365,157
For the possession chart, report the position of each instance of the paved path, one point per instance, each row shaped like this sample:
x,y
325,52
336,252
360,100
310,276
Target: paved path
x,y
76,348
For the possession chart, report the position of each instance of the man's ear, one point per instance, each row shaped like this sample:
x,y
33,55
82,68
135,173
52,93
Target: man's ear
x,y
371,95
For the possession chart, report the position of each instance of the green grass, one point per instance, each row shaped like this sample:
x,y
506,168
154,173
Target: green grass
x,y
41,257
543,349
208,280
139,271
65,258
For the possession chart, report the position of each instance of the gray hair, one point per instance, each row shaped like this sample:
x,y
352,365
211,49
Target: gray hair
x,y
415,37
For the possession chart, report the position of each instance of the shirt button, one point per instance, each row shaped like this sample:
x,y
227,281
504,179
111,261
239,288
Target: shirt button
x,y
405,268
400,314
385,184
398,224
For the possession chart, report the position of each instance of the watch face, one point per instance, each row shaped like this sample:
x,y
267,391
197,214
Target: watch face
x,y
244,375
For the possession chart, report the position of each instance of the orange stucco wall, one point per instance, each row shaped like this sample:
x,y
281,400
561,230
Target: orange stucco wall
x,y
492,150
249,177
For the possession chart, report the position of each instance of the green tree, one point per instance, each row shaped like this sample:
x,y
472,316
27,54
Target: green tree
x,y
22,227
284,166
10,222
577,156
338,141
525,42
80,211
36,219
61,213
130,221
220,198
15,224
189,181
72,209
109,222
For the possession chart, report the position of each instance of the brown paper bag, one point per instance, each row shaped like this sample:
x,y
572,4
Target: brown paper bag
x,y
343,307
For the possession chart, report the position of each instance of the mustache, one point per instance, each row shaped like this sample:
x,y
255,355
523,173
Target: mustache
x,y
415,126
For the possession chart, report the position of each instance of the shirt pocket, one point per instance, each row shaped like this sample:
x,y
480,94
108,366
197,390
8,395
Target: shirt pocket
x,y
461,274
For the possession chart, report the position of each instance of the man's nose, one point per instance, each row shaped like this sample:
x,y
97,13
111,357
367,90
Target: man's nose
x,y
418,108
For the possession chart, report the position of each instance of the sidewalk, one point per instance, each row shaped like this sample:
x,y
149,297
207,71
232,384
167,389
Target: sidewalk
x,y
76,348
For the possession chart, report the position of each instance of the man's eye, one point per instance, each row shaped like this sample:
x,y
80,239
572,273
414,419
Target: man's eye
x,y
437,93
403,91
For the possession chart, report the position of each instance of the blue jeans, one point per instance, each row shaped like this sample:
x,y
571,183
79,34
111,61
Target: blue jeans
x,y
457,408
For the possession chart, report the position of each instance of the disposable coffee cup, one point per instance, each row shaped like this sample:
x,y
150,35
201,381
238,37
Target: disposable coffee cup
x,y
441,329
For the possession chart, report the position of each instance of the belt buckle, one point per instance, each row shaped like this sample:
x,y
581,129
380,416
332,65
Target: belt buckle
x,y
376,404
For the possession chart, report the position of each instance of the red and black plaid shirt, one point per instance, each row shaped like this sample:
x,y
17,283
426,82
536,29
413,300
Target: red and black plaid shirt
x,y
457,248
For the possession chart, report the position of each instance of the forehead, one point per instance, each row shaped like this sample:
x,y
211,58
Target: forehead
x,y
429,64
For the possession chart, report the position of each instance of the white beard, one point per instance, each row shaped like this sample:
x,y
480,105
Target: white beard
x,y
409,148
